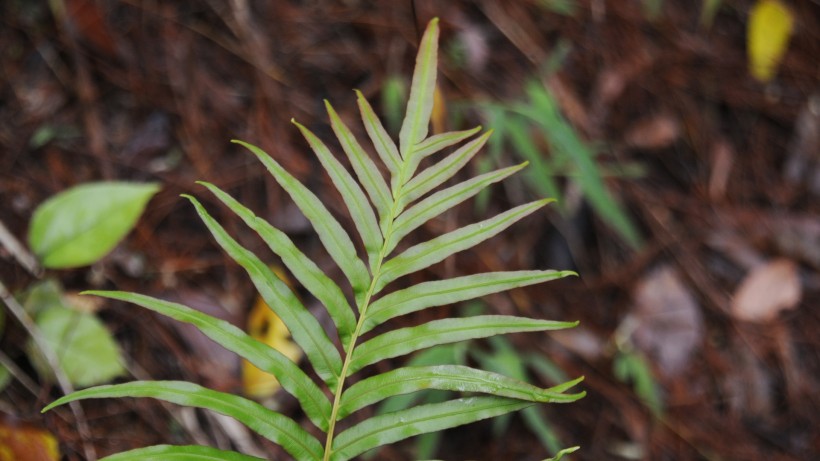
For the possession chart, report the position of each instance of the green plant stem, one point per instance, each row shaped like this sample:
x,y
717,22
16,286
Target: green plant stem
x,y
362,316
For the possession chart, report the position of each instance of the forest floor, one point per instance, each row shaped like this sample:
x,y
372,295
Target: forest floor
x,y
698,338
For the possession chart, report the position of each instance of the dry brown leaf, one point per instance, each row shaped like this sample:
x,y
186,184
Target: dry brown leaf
x,y
669,323
656,132
766,291
21,442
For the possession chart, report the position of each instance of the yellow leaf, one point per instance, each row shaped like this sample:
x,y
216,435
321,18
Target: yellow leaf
x,y
265,326
770,26
22,442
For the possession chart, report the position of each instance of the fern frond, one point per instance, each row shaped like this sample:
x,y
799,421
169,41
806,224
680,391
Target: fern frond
x,y
384,212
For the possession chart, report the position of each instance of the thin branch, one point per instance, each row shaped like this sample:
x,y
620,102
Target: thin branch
x,y
51,358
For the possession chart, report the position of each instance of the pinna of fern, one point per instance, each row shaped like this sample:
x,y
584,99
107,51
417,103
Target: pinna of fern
x,y
384,213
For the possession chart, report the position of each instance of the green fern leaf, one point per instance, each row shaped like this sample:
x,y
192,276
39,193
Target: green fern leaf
x,y
382,217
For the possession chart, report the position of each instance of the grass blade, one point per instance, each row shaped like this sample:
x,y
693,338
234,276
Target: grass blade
x,y
366,170
313,401
331,233
432,251
442,201
541,176
392,427
447,378
384,145
363,217
179,453
445,169
303,326
269,424
420,103
303,268
406,340
457,289
566,145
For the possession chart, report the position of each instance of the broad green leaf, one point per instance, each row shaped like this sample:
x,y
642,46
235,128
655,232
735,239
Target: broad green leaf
x,y
267,423
444,377
80,225
363,217
441,201
179,453
432,251
303,326
331,233
450,291
406,340
85,349
770,27
313,401
384,145
420,104
445,169
432,145
392,427
366,170
304,270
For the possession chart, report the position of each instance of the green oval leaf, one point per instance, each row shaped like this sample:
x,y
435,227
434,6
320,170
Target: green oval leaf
x,y
267,423
80,225
84,347
179,453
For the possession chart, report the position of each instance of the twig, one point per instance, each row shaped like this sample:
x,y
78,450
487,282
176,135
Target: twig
x,y
62,380
19,252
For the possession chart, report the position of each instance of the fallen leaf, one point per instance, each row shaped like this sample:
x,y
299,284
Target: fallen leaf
x,y
265,326
766,291
20,442
767,37
656,132
669,325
